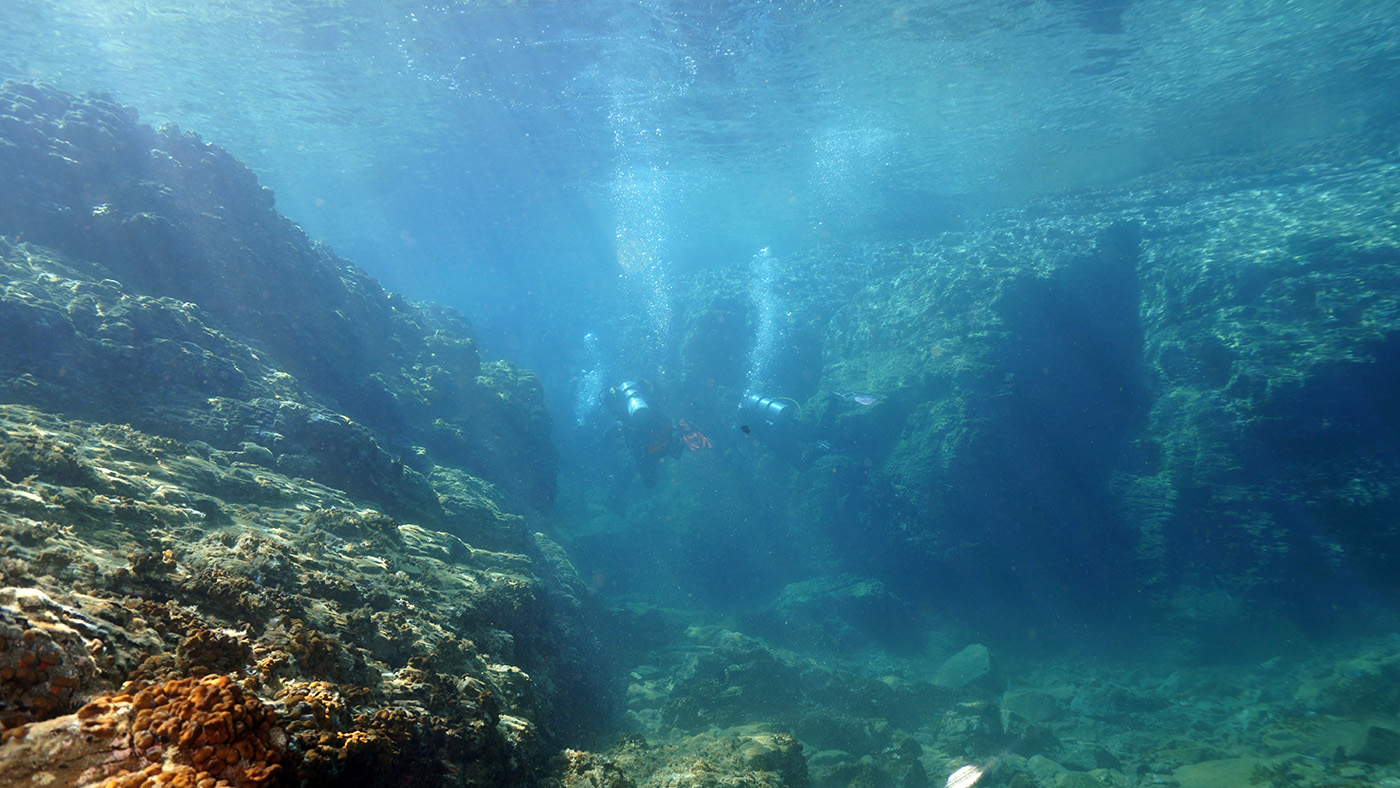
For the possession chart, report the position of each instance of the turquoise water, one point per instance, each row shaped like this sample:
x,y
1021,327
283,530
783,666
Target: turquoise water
x,y
1024,371
547,146
600,185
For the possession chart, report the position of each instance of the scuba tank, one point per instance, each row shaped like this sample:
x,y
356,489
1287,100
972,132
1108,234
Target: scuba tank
x,y
774,411
628,404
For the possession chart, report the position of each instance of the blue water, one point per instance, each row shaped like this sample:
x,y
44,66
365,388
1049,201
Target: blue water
x,y
555,169
531,156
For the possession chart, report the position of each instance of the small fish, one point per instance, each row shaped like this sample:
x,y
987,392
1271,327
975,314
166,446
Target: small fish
x,y
744,428
966,777
856,397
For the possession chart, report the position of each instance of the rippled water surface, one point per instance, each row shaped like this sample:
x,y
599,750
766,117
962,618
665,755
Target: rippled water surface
x,y
576,136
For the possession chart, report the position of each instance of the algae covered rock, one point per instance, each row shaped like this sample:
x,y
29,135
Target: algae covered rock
x,y
841,613
1266,342
156,259
746,757
235,472
1364,684
379,646
970,665
1110,379
993,362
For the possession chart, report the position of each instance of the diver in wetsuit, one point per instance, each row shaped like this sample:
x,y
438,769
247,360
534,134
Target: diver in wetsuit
x,y
650,436
776,421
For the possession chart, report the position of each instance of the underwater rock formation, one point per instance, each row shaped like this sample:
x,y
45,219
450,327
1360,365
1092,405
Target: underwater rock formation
x,y
1010,380
176,266
261,522
1178,390
140,564
1318,718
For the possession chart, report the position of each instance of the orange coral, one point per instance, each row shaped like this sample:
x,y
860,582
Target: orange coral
x,y
187,733
37,677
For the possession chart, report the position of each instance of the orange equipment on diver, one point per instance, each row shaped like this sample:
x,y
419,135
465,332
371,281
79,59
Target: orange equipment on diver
x,y
693,439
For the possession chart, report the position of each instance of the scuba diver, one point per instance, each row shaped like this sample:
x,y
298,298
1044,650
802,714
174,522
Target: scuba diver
x,y
650,436
771,419
776,421
773,416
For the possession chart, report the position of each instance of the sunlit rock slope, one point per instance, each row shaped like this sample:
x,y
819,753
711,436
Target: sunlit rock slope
x,y
261,522
162,234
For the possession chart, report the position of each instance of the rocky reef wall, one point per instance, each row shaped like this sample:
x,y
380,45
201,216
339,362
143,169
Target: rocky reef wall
x,y
1164,403
1164,390
177,226
261,522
